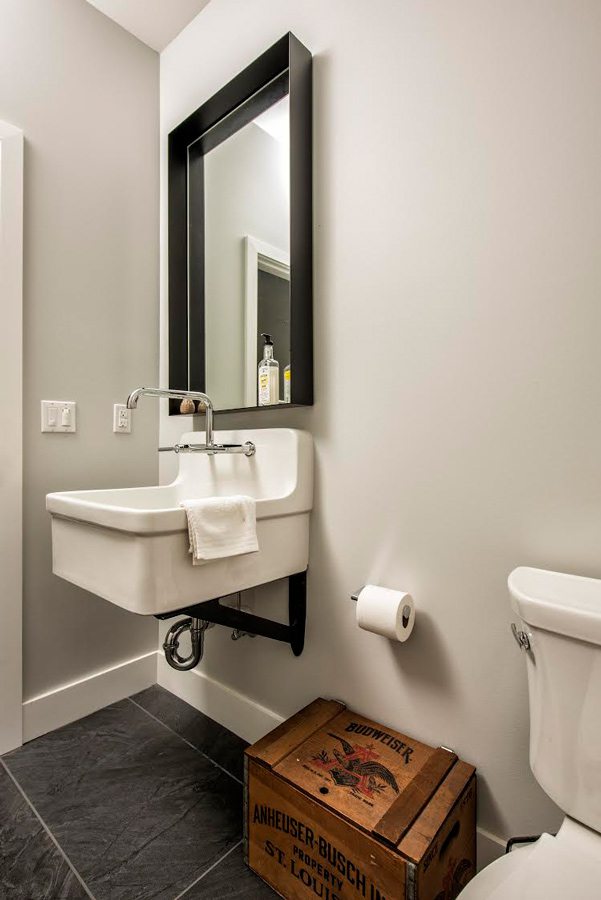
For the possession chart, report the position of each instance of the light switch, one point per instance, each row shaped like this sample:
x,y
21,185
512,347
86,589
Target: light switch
x,y
59,416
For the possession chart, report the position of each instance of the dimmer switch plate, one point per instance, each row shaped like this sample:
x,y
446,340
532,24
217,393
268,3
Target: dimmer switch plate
x,y
59,416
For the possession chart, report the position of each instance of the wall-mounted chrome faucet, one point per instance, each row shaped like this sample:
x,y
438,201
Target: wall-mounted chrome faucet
x,y
209,446
132,403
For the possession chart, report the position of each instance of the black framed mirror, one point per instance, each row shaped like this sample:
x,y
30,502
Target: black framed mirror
x,y
240,238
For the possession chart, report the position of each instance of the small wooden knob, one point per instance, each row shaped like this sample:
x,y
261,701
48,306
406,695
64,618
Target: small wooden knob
x,y
187,406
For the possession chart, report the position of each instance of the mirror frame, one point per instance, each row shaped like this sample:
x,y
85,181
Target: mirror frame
x,y
284,69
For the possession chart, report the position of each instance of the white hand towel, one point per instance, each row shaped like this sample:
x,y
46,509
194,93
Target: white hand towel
x,y
221,526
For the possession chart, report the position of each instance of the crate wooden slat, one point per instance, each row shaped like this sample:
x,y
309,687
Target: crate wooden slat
x,y
404,811
272,748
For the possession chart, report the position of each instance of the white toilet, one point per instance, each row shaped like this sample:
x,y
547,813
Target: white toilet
x,y
561,636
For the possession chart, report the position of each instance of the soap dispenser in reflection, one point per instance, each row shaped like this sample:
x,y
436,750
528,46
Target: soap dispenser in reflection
x,y
269,375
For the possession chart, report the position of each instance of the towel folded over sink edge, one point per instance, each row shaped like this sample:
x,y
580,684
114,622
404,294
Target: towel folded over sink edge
x,y
219,527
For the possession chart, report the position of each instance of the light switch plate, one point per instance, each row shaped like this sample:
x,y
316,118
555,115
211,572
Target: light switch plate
x,y
59,416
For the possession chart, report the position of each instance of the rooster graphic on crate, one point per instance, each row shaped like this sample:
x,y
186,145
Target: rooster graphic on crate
x,y
356,767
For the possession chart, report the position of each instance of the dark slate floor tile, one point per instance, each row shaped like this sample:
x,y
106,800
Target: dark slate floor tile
x,y
31,868
229,880
213,739
139,813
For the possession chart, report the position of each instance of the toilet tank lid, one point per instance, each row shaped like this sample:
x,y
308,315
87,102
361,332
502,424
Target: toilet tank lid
x,y
558,602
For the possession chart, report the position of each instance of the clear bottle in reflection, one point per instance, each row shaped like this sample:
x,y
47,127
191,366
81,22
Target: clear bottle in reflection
x,y
269,374
287,384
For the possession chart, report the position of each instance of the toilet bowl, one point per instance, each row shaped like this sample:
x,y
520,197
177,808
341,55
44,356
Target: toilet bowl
x,y
567,866
561,637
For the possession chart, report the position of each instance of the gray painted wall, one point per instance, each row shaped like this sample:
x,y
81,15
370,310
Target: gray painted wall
x,y
86,95
457,321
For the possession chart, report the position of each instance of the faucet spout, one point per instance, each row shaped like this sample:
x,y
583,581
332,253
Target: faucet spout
x,y
132,400
132,403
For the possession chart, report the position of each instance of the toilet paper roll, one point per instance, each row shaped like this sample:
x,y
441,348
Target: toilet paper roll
x,y
386,612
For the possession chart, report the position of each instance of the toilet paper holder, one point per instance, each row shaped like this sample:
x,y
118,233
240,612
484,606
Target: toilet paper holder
x,y
406,610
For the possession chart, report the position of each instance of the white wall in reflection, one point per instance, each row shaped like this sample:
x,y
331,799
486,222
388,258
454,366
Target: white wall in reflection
x,y
246,193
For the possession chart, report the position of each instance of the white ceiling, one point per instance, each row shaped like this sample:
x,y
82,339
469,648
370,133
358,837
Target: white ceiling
x,y
155,22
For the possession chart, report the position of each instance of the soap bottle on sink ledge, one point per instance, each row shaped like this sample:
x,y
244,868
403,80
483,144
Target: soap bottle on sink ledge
x,y
269,375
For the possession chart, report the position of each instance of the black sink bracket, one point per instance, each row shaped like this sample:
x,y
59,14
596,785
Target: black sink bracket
x,y
293,633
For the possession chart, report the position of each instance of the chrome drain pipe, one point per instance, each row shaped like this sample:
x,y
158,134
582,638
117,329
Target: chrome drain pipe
x,y
196,628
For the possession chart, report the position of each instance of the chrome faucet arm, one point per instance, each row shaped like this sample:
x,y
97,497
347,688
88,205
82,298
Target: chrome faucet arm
x,y
132,403
132,400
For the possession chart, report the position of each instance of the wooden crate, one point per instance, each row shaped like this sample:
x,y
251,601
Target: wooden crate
x,y
339,807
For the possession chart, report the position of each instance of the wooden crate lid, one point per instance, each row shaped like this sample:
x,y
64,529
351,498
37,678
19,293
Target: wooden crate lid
x,y
377,778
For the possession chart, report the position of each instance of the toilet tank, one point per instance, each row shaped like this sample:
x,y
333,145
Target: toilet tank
x,y
562,616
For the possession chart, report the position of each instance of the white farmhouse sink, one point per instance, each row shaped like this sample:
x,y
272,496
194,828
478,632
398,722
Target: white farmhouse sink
x,y
130,545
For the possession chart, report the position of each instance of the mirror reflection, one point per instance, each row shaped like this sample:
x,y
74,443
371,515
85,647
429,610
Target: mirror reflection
x,y
247,264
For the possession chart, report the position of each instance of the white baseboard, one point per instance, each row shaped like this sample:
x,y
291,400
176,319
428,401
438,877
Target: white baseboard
x,y
246,718
488,848
80,698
